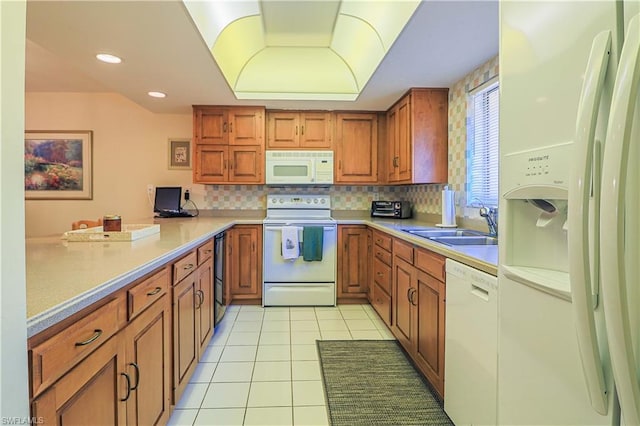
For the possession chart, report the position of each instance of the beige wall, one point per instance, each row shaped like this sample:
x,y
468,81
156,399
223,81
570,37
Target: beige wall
x,y
129,151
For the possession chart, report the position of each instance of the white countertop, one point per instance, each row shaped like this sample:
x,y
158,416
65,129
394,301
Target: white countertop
x,y
65,277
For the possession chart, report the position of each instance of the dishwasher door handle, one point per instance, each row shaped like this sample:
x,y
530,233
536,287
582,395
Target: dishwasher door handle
x,y
480,292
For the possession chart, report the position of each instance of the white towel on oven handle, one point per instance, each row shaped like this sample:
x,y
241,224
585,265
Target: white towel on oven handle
x,y
290,242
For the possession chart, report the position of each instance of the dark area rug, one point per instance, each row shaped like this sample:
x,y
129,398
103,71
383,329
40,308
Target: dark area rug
x,y
371,382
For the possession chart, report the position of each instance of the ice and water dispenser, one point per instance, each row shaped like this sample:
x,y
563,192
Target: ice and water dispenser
x,y
534,248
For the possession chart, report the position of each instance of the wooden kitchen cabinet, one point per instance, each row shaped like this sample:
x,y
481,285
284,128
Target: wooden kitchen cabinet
x,y
193,305
417,137
244,258
228,164
354,248
419,308
381,283
123,378
356,148
228,144
299,130
91,393
228,125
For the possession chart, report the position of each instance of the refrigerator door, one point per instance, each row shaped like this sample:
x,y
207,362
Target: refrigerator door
x,y
620,227
544,50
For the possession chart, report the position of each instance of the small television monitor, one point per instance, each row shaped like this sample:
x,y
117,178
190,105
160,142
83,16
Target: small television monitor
x,y
167,199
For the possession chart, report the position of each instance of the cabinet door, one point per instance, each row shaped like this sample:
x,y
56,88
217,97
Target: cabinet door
x,y
210,164
185,340
353,263
357,148
148,363
246,164
404,286
431,328
404,142
315,130
205,303
210,126
246,126
246,262
392,143
283,130
91,393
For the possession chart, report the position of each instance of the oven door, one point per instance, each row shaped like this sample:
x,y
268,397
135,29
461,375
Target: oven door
x,y
280,270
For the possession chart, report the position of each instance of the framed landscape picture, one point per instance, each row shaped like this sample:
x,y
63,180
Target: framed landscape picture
x,y
180,153
57,165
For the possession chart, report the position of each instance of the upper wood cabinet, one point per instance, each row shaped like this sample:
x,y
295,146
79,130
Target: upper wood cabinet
x,y
417,137
356,153
228,144
299,130
228,125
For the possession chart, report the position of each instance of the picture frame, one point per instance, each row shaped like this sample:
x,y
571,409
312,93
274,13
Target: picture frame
x,y
58,165
179,153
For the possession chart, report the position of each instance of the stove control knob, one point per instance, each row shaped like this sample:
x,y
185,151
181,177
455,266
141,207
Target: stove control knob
x,y
322,201
281,201
315,201
308,200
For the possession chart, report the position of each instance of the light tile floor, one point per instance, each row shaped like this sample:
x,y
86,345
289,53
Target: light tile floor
x,y
262,367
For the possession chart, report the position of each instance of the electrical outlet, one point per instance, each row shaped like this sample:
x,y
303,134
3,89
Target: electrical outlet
x,y
150,189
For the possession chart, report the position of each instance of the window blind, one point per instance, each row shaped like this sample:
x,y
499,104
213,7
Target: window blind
x,y
482,145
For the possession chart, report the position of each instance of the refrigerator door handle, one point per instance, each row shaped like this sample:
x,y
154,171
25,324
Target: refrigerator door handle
x,y
612,228
582,283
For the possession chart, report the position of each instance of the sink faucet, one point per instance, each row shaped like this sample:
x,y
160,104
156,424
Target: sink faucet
x,y
491,215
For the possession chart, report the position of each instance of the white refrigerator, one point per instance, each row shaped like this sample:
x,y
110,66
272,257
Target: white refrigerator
x,y
569,261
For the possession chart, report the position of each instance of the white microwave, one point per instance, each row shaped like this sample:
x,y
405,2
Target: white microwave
x,y
299,167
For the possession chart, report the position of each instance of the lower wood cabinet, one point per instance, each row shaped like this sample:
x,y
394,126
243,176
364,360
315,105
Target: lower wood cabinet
x,y
418,306
123,380
244,260
354,263
193,316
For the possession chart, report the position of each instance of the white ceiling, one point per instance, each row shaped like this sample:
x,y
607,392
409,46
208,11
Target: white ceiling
x,y
163,51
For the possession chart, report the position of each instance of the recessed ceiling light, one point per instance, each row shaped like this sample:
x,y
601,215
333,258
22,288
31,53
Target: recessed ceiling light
x,y
110,59
157,94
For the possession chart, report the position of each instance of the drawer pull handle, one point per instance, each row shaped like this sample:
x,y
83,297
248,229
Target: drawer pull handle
x,y
379,274
126,376
208,251
188,266
134,365
155,291
96,333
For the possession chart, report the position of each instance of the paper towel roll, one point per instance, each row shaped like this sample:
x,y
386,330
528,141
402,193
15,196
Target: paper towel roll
x,y
448,207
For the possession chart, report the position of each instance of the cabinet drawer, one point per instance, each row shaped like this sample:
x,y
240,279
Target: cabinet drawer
x,y
431,263
184,266
205,251
382,275
383,240
146,292
382,304
55,356
382,254
403,250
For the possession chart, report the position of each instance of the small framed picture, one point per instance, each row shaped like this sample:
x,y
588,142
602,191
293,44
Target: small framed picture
x,y
180,153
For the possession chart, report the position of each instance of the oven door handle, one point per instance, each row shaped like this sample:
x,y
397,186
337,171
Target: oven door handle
x,y
279,227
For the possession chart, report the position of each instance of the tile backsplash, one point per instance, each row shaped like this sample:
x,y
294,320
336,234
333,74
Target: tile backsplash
x,y
425,198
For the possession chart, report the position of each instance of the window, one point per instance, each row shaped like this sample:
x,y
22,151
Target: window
x,y
482,145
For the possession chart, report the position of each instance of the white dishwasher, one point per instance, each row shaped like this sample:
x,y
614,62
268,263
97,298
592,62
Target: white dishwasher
x,y
471,346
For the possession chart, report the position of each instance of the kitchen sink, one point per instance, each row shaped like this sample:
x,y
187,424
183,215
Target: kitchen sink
x,y
466,240
429,233
454,237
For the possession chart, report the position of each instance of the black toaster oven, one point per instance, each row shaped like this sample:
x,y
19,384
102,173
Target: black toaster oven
x,y
391,209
